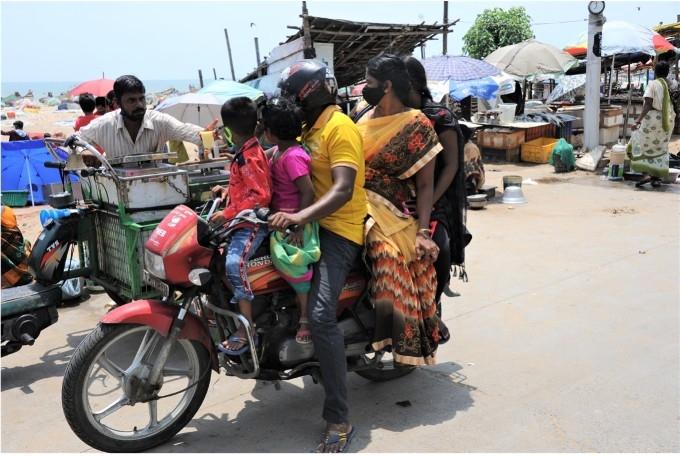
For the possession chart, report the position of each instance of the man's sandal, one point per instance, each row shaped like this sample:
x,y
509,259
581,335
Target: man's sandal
x,y
334,440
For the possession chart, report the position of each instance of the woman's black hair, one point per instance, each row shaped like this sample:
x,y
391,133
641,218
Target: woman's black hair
x,y
418,77
282,118
127,84
240,115
661,70
389,67
86,102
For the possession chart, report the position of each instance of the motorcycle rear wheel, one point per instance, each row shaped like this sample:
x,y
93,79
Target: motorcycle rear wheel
x,y
387,370
103,355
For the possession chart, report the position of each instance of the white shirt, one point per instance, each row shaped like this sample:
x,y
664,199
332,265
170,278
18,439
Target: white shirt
x,y
655,90
109,132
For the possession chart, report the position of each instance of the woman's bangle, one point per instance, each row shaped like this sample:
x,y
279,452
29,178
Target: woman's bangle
x,y
424,232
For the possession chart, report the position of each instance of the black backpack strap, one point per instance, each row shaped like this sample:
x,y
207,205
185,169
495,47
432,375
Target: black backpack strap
x,y
361,113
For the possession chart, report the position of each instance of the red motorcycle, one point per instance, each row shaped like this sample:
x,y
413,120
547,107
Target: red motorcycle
x,y
143,372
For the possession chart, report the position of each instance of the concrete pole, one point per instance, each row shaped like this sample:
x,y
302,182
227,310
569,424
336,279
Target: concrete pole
x,y
257,51
591,114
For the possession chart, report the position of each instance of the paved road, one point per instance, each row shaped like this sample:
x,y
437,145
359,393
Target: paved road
x,y
565,339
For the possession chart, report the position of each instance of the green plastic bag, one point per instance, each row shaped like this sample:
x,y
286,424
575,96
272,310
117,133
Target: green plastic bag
x,y
565,160
294,263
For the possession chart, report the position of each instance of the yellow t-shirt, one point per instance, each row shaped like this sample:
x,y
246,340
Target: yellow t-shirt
x,y
333,141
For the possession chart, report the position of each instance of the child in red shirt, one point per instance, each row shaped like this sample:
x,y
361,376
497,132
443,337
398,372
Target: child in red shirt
x,y
86,102
249,188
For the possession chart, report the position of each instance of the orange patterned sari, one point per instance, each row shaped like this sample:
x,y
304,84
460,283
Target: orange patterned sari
x,y
402,287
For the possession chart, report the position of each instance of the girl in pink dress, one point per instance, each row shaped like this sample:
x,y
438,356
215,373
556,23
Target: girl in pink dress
x,y
290,166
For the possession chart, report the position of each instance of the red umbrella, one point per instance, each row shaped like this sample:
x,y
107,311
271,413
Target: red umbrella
x,y
97,87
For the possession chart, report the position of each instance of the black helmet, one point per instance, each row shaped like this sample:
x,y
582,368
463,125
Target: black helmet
x,y
310,83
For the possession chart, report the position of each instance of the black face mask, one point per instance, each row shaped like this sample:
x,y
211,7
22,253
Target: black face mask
x,y
373,95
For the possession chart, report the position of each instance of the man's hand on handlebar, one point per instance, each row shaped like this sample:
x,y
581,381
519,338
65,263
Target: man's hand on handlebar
x,y
282,220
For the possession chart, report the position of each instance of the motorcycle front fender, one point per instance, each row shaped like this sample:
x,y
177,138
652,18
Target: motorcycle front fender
x,y
159,315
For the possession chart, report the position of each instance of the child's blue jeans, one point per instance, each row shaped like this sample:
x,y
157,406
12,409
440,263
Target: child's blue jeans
x,y
244,242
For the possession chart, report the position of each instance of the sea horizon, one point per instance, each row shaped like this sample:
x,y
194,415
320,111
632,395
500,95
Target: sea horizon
x,y
41,88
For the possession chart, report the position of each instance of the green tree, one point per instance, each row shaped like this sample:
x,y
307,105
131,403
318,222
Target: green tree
x,y
495,28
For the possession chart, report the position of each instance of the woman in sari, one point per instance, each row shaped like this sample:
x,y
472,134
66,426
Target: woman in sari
x,y
400,147
648,148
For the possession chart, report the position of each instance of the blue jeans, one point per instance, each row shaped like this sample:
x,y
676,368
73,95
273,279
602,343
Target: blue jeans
x,y
244,243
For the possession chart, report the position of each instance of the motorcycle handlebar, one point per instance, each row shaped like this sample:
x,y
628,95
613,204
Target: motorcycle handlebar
x,y
54,165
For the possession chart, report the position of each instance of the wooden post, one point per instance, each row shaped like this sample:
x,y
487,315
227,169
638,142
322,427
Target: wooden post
x,y
630,96
214,74
308,47
257,51
200,78
231,62
446,27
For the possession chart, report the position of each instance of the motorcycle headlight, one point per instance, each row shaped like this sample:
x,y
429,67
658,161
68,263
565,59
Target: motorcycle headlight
x,y
154,264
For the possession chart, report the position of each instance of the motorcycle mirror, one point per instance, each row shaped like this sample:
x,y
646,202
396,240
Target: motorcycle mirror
x,y
199,277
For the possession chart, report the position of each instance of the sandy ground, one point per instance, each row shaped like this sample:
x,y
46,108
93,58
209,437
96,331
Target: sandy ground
x,y
565,338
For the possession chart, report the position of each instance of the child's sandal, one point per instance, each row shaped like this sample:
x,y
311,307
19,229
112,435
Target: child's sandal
x,y
303,335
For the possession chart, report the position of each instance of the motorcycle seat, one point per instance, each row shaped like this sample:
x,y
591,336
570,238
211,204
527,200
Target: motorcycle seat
x,y
29,297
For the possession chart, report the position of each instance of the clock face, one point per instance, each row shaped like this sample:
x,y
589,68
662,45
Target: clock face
x,y
596,7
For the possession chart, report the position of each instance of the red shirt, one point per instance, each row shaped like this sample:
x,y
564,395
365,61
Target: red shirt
x,y
249,182
83,120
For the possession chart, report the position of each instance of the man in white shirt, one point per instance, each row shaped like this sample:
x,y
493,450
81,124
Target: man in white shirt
x,y
133,130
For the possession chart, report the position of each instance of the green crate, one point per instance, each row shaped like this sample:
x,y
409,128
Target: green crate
x,y
120,254
15,198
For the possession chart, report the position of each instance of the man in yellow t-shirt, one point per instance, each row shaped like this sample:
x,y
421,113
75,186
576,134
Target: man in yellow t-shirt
x,y
340,207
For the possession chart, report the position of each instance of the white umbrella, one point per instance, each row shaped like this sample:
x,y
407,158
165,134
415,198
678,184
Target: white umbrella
x,y
196,108
530,58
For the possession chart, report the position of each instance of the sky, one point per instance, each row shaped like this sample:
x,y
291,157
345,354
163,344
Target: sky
x,y
74,41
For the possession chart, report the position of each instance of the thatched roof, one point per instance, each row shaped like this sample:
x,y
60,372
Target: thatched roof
x,y
356,42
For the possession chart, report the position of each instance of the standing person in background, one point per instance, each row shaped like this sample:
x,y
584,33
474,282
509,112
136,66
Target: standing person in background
x,y
100,106
86,102
111,102
134,130
18,133
648,148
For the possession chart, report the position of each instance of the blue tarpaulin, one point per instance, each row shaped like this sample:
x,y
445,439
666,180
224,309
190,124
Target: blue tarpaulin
x,y
23,168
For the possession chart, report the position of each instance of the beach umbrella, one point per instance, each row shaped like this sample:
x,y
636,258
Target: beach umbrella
x,y
457,68
97,87
620,37
566,85
487,88
531,58
196,108
23,168
231,89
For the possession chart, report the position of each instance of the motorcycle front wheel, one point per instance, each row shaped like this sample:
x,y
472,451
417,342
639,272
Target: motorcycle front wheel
x,y
100,390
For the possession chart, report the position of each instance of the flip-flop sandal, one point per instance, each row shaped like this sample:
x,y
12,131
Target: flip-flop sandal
x,y
303,336
342,439
237,339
